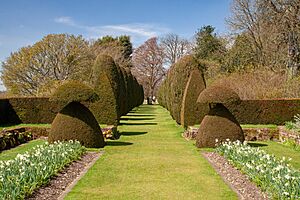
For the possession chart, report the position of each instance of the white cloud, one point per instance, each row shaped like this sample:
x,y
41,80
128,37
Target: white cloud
x,y
139,32
65,20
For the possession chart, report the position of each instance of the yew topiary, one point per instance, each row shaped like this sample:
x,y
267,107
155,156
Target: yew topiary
x,y
76,122
192,112
74,91
218,126
106,84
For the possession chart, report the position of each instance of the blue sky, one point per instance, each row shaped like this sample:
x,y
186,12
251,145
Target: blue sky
x,y
24,22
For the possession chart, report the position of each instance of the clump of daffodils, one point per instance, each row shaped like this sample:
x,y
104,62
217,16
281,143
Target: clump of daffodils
x,y
20,176
274,175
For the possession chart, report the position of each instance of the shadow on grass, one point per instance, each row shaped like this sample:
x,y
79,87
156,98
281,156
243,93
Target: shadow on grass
x,y
117,143
137,124
141,115
126,118
253,144
133,133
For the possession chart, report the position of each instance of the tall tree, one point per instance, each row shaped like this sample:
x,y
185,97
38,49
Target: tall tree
x,y
273,27
119,48
174,47
36,70
148,60
208,45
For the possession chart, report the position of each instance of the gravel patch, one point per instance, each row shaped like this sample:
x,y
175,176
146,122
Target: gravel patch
x,y
61,182
238,181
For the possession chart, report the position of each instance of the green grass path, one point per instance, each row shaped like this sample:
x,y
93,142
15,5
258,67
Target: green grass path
x,y
151,161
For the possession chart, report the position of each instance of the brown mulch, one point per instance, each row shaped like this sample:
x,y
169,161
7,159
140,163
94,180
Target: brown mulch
x,y
238,181
59,183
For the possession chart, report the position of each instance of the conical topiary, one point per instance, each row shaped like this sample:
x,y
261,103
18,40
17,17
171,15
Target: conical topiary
x,y
218,125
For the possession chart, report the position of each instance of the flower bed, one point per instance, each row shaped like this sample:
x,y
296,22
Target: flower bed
x,y
10,139
20,176
271,174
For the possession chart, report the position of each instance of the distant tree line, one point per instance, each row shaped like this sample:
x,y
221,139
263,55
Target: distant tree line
x,y
263,45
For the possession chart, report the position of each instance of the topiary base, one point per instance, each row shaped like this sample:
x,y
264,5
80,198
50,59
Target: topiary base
x,y
76,122
219,124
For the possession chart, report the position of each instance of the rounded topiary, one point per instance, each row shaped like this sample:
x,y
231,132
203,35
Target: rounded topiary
x,y
76,122
192,112
218,94
74,91
219,124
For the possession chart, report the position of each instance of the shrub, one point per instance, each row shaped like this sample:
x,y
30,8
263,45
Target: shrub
x,y
218,94
175,83
106,85
28,110
76,122
73,91
219,124
268,111
192,112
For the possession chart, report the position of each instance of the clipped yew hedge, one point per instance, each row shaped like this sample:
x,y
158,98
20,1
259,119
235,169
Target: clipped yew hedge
x,y
118,91
171,92
28,110
272,111
191,112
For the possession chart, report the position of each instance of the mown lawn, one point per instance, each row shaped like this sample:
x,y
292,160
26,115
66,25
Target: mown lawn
x,y
151,161
12,153
25,125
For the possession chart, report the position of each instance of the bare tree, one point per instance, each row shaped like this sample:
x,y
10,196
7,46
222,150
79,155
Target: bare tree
x,y
274,29
148,60
245,18
174,47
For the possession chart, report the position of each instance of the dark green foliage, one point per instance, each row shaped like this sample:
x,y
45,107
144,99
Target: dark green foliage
x,y
106,84
218,94
218,124
172,90
192,112
28,110
208,46
270,111
123,41
74,91
76,122
118,90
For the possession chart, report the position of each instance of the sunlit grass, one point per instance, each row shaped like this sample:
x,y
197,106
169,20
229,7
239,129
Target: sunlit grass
x,y
13,152
151,161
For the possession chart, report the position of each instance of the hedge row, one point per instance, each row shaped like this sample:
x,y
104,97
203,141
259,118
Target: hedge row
x,y
28,110
273,111
171,91
117,88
